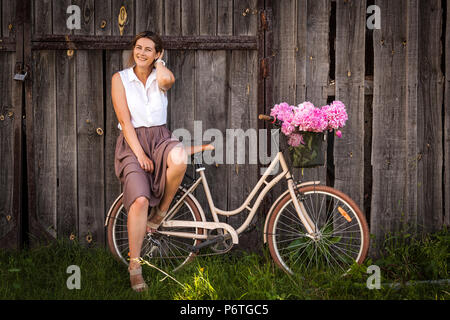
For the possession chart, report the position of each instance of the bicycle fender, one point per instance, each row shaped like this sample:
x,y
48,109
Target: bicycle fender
x,y
199,207
266,224
111,208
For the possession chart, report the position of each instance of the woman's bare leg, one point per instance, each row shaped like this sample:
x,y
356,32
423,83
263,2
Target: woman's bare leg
x,y
176,168
137,219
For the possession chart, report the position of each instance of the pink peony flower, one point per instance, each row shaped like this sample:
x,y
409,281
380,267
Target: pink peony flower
x,y
306,117
282,112
295,139
336,115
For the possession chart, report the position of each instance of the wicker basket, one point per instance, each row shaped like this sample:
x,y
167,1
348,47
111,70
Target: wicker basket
x,y
310,154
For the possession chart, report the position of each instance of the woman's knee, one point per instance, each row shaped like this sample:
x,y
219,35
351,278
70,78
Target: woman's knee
x,y
178,159
140,202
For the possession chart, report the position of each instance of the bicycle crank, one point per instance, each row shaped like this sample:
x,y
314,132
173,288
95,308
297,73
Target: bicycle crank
x,y
216,240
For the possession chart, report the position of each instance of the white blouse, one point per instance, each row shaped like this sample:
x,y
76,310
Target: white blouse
x,y
148,106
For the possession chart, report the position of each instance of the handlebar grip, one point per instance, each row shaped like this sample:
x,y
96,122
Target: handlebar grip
x,y
265,117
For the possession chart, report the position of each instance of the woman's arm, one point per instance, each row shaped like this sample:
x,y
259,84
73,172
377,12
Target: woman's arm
x,y
123,115
164,76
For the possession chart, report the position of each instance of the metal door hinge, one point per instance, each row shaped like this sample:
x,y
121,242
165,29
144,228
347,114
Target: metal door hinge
x,y
264,67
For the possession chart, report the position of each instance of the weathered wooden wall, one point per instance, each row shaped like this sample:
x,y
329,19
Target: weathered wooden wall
x,y
392,78
10,129
72,181
393,156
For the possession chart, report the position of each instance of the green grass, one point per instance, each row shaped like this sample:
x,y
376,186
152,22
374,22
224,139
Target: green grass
x,y
40,273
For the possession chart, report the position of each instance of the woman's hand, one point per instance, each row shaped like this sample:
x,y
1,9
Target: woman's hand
x,y
145,163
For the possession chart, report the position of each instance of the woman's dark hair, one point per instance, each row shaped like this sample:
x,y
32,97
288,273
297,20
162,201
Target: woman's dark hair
x,y
144,34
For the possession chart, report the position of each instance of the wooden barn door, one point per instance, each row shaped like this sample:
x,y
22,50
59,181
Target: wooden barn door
x,y
216,50
11,133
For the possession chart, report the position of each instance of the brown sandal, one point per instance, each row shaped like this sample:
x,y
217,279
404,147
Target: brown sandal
x,y
139,287
155,212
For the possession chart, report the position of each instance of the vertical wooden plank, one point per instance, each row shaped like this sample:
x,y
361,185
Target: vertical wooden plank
x,y
301,60
181,97
431,97
172,17
1,19
113,64
103,18
242,113
149,16
9,223
87,17
350,71
283,67
90,146
243,121
42,17
211,109
208,17
413,109
125,9
388,144
182,94
245,17
225,17
45,142
66,128
8,21
447,121
317,67
59,17
190,17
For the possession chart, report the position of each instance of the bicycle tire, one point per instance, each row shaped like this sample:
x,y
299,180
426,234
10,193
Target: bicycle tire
x,y
294,252
120,249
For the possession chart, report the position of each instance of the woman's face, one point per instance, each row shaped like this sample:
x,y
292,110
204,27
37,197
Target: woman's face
x,y
144,52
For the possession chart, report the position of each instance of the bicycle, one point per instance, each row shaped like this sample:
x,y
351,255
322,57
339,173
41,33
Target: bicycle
x,y
308,224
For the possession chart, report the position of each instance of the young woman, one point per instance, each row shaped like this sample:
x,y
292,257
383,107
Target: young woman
x,y
149,162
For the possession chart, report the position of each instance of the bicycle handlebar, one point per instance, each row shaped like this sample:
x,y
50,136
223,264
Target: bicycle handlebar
x,y
265,117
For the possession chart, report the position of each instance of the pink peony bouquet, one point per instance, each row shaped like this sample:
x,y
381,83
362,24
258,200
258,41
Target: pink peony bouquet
x,y
306,117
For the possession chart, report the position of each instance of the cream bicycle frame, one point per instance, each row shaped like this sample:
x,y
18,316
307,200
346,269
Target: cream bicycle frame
x,y
279,158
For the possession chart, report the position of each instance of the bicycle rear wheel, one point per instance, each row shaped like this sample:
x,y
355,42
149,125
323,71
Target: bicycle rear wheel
x,y
341,238
169,253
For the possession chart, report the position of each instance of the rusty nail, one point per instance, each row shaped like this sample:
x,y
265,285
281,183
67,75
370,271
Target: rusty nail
x,y
103,25
70,52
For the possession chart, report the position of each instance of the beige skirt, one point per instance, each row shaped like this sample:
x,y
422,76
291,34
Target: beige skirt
x,y
157,142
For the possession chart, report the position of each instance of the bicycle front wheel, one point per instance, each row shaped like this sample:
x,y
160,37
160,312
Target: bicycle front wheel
x,y
166,252
341,235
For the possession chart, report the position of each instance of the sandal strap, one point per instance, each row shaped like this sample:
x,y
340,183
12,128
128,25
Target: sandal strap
x,y
135,272
139,286
160,213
